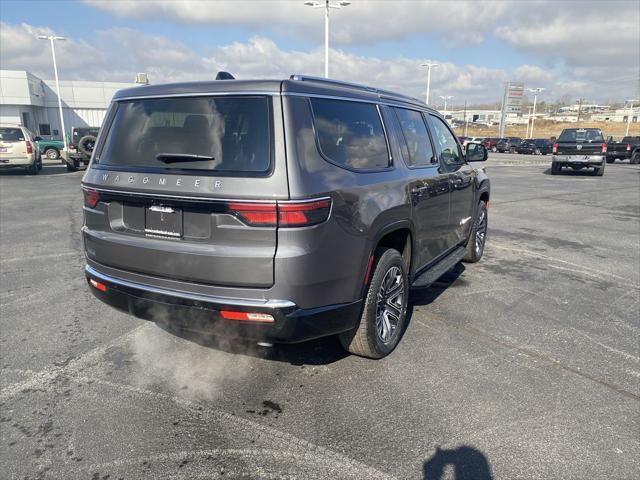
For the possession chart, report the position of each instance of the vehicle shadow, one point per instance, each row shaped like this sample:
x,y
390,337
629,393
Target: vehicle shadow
x,y
425,296
466,462
46,170
322,351
572,173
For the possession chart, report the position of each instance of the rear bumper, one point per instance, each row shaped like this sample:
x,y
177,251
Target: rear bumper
x,y
585,160
201,313
17,161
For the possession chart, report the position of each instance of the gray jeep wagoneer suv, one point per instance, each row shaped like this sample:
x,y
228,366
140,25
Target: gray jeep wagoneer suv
x,y
278,211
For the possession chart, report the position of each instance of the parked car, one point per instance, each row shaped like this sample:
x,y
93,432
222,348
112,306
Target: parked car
x,y
49,148
472,140
509,144
277,211
82,141
579,148
538,146
491,143
627,148
18,149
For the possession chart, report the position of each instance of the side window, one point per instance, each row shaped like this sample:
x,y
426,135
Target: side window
x,y
417,150
446,144
350,133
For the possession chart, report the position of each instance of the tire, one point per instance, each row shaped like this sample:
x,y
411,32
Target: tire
x,y
40,164
494,149
52,153
71,167
368,338
33,168
86,144
537,152
610,159
478,235
555,169
599,171
635,158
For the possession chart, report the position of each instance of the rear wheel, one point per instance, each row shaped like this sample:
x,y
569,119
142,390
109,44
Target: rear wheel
x,y
71,167
555,168
384,313
478,236
610,159
52,154
635,158
494,149
598,171
33,168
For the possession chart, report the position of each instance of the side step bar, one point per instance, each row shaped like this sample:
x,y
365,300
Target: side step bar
x,y
443,266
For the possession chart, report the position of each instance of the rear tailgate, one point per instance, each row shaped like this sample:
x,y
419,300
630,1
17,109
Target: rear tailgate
x,y
575,148
187,188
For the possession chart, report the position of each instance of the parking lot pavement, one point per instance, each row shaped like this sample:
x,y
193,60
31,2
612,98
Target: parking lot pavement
x,y
525,365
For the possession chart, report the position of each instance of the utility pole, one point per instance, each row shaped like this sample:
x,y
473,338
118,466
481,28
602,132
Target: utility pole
x,y
580,100
631,102
445,98
535,92
51,39
326,5
429,66
466,123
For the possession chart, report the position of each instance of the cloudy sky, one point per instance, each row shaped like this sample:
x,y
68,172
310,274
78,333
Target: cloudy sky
x,y
587,49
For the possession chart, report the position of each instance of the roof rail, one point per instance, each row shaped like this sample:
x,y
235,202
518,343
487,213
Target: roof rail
x,y
308,78
380,92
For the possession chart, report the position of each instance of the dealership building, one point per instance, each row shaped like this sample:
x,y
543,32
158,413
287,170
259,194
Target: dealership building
x,y
30,101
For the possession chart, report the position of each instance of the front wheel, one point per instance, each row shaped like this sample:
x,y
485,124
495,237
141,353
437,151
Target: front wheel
x,y
478,236
384,313
555,168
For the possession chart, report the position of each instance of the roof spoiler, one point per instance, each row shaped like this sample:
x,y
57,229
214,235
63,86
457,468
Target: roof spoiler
x,y
224,76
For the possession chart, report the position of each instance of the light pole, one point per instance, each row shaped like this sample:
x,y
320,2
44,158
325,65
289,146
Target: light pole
x,y
429,66
326,5
445,98
51,39
535,92
631,102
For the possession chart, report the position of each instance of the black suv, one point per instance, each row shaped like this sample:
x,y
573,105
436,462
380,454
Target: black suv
x,y
538,146
508,145
81,145
278,211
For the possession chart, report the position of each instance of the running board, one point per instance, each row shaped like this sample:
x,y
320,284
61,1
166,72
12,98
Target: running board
x,y
443,266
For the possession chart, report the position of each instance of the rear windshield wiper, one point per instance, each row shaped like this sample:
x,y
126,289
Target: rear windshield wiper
x,y
182,157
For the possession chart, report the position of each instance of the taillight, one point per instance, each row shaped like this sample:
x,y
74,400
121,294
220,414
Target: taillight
x,y
29,147
298,214
91,197
628,147
255,214
555,148
289,214
247,316
604,148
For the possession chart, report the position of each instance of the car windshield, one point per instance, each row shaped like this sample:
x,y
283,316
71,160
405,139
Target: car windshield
x,y
205,133
581,135
11,135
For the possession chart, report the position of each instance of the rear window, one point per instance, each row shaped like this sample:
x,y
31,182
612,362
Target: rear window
x,y
581,135
11,135
221,134
350,134
416,149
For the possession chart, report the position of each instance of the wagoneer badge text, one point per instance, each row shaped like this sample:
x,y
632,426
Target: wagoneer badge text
x,y
178,182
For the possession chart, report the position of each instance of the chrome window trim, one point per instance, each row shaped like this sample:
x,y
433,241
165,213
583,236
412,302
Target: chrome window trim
x,y
170,196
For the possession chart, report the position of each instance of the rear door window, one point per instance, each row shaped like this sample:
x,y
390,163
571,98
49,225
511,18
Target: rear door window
x,y
416,150
221,134
11,135
350,134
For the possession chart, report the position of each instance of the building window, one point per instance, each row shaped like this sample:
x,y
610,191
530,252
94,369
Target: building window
x,y
44,129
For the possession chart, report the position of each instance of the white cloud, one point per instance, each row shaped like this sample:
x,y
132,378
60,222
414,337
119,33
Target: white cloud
x,y
118,54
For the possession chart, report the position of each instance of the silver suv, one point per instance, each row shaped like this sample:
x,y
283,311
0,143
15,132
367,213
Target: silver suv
x,y
278,211
19,149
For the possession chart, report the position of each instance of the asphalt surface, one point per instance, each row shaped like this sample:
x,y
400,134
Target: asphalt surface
x,y
525,365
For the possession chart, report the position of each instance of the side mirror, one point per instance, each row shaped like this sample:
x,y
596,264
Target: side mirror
x,y
38,139
476,152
